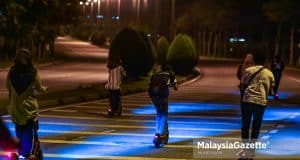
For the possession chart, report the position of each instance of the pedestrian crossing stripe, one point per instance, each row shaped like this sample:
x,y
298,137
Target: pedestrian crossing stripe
x,y
82,156
128,108
133,126
74,156
175,116
111,143
130,120
110,134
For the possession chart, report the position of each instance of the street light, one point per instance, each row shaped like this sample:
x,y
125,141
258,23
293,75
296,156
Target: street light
x,y
138,5
83,8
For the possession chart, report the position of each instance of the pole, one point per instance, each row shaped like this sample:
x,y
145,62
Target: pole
x,y
138,11
107,19
92,9
156,19
118,15
172,33
98,13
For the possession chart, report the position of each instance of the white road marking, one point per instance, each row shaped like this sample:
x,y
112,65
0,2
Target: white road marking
x,y
64,110
127,107
82,156
134,126
110,134
111,143
129,120
274,131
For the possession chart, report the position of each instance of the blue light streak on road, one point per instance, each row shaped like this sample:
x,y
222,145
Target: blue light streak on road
x,y
284,143
140,140
186,108
282,95
280,113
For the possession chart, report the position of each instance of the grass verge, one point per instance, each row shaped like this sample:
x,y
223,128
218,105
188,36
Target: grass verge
x,y
88,93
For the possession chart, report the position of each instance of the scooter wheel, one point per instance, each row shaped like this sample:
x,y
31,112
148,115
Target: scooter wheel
x,y
156,141
13,156
110,112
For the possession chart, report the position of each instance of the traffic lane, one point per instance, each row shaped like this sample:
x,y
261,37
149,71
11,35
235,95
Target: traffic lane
x,y
66,76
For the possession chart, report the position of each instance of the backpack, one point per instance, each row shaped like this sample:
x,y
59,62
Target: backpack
x,y
159,85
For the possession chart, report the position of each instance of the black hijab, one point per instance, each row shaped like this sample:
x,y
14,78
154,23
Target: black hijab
x,y
21,76
23,73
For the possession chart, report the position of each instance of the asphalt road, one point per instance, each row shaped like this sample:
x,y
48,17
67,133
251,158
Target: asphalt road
x,y
86,65
206,107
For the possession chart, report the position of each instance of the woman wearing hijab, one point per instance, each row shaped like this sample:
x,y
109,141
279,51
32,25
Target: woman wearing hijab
x,y
23,83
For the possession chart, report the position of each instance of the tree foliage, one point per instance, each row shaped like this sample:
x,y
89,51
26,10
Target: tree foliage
x,y
33,23
135,51
162,49
182,54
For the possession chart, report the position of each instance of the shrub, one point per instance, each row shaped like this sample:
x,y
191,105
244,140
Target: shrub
x,y
98,38
182,54
134,50
162,50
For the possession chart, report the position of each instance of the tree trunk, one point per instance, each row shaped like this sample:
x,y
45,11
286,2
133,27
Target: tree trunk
x,y
225,43
215,45
204,42
277,39
199,42
209,43
219,49
292,33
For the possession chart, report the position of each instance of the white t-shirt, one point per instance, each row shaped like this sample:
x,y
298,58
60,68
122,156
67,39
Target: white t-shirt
x,y
115,78
258,89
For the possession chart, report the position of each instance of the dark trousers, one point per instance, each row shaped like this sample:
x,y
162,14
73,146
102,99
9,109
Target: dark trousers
x,y
277,77
250,110
115,99
161,106
25,135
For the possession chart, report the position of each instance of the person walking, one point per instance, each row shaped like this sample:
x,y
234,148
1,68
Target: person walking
x,y
23,83
115,76
159,93
277,67
256,83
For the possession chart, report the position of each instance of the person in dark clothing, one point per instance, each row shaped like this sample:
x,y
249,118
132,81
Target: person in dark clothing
x,y
113,85
277,68
256,83
159,93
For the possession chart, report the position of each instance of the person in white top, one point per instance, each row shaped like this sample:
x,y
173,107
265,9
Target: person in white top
x,y
256,83
116,73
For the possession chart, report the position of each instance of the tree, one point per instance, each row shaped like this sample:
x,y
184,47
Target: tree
x,y
162,50
182,54
34,24
283,12
208,23
135,51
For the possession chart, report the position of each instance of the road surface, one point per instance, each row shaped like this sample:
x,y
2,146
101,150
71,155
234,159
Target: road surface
x,y
85,65
207,107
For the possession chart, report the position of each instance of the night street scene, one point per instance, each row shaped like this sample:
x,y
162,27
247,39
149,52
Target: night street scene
x,y
149,79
